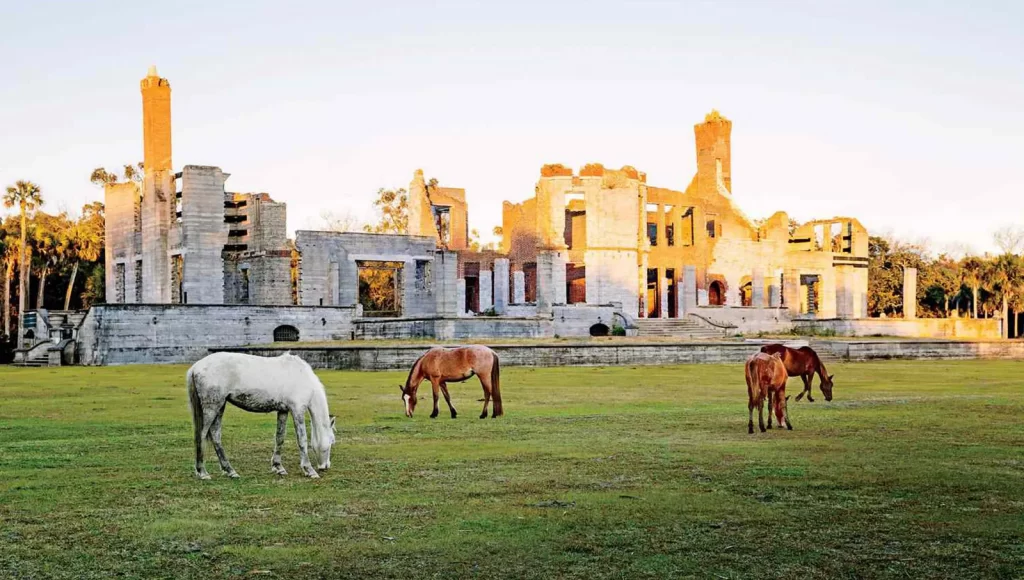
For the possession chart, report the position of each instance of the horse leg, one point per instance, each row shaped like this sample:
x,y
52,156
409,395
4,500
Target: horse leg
x,y
803,392
769,410
299,418
201,431
434,386
215,438
750,420
448,399
487,395
210,415
760,415
275,461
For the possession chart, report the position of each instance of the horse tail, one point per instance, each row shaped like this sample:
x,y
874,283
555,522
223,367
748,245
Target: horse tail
x,y
496,386
196,405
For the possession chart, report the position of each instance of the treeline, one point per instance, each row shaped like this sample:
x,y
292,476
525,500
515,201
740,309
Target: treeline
x,y
988,286
63,256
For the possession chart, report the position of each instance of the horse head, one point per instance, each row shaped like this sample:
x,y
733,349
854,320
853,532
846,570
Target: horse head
x,y
409,398
826,386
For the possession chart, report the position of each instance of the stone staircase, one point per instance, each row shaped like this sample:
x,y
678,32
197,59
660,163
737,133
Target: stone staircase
x,y
825,352
37,360
677,328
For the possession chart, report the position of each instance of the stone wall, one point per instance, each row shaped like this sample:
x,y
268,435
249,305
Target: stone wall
x,y
374,358
567,321
329,271
917,328
746,319
203,234
114,334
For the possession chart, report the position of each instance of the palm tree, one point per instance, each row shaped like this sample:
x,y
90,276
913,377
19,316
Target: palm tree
x,y
1005,275
52,246
973,268
86,237
27,196
9,257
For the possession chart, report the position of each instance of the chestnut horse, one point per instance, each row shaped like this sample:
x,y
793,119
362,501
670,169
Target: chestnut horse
x,y
803,362
766,381
441,366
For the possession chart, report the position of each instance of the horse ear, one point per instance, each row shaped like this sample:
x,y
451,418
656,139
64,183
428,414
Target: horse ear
x,y
333,419
830,377
788,396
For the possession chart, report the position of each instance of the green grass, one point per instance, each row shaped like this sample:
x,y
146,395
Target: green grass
x,y
916,469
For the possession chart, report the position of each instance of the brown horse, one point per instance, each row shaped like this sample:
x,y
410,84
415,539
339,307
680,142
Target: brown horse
x,y
803,362
441,366
766,381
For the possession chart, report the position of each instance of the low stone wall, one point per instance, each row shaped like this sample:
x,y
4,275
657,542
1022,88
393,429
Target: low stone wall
x,y
566,321
928,349
983,328
374,358
747,319
115,334
383,358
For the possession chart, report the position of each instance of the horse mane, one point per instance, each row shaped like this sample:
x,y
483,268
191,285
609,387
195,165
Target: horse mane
x,y
411,370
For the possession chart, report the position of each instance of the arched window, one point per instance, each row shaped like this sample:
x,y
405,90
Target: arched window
x,y
286,333
599,330
716,294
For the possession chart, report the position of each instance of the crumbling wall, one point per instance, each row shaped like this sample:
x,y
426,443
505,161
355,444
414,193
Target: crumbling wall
x,y
326,252
203,233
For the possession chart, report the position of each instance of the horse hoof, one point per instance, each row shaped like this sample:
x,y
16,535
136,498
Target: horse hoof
x,y
769,426
203,476
233,475
789,427
483,416
454,416
433,415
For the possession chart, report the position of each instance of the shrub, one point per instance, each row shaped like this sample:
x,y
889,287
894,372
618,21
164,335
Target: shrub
x,y
618,331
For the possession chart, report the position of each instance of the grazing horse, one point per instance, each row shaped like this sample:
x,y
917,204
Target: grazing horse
x,y
766,381
441,366
803,362
285,384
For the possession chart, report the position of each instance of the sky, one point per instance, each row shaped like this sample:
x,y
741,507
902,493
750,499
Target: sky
x,y
908,116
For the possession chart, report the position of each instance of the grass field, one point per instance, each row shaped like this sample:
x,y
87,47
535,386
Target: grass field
x,y
916,469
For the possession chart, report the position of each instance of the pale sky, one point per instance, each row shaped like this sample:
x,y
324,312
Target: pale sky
x,y
908,115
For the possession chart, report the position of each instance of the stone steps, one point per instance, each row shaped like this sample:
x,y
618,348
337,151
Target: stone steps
x,y
675,327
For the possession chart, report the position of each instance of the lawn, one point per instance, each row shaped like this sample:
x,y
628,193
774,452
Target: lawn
x,y
916,469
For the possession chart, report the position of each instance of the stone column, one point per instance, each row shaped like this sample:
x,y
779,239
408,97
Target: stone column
x,y
909,293
791,291
774,293
688,299
663,311
501,285
518,287
550,280
757,288
460,298
485,290
445,275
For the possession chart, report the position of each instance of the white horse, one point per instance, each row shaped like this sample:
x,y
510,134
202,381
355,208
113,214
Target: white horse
x,y
285,384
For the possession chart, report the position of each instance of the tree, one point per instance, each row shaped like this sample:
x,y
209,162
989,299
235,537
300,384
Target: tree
x,y
27,196
331,221
50,237
393,207
1005,277
1009,239
86,237
101,177
973,269
946,276
887,259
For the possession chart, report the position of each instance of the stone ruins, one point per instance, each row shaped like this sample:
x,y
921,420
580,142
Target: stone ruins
x,y
599,238
192,266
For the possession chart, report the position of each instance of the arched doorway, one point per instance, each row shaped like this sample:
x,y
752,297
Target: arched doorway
x,y
286,333
716,294
747,294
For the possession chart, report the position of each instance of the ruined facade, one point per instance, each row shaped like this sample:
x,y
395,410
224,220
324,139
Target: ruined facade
x,y
664,253
589,250
181,238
